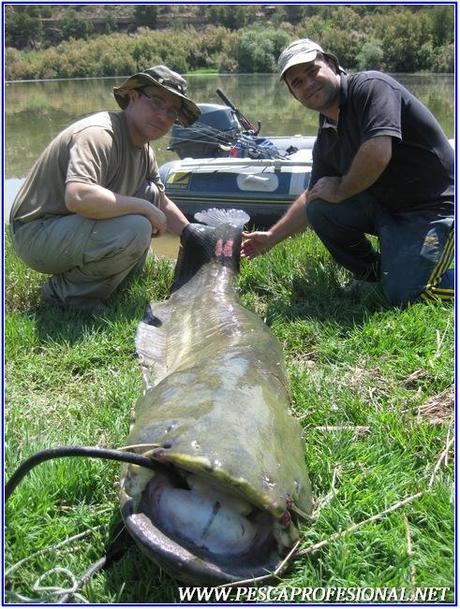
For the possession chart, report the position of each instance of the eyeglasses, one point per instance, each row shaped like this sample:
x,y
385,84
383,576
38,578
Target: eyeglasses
x,y
158,104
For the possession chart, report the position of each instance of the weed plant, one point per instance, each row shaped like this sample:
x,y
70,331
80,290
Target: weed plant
x,y
371,386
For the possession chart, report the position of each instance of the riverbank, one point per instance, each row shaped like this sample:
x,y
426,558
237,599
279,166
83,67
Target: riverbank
x,y
394,39
371,386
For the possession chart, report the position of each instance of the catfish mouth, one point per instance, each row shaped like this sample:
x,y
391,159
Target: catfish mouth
x,y
201,533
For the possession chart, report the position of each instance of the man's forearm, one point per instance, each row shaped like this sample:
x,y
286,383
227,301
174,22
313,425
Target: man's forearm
x,y
99,203
368,165
292,222
176,219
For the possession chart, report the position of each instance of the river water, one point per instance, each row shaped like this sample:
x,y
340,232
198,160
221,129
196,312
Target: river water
x,y
36,111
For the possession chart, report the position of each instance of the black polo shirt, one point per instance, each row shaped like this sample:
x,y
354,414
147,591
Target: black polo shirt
x,y
420,174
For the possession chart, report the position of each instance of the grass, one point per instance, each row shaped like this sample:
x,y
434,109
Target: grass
x,y
371,386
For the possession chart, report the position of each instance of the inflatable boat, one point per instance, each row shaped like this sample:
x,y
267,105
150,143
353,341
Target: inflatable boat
x,y
264,188
224,163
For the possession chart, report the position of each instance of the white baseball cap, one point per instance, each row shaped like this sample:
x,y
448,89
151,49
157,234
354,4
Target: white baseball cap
x,y
300,51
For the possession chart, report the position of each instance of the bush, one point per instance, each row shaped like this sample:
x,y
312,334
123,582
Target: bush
x,y
76,26
146,15
23,27
259,50
443,58
393,40
233,17
371,56
403,36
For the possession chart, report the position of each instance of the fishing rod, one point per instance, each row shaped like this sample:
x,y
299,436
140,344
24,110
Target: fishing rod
x,y
246,123
200,133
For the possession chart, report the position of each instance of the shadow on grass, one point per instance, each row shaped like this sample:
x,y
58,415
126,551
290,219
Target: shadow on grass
x,y
68,326
127,304
326,301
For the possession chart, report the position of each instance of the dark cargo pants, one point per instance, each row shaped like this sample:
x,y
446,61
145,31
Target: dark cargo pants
x,y
416,248
87,258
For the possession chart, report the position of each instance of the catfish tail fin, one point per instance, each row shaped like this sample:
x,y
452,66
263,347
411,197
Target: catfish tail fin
x,y
215,217
218,238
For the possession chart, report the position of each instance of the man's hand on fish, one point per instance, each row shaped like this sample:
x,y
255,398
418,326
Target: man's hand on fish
x,y
256,243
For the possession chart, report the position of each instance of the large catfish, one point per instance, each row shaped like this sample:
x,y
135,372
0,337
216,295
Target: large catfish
x,y
231,479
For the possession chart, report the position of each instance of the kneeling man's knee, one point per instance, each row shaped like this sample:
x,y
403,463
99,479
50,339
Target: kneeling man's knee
x,y
399,294
133,234
136,233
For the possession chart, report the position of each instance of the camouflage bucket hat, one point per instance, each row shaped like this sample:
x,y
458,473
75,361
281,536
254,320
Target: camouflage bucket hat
x,y
163,78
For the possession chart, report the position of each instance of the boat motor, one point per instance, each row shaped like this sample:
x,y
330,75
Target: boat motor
x,y
212,135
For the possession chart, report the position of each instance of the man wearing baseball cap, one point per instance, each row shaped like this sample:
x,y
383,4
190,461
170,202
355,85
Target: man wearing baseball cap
x,y
381,166
93,200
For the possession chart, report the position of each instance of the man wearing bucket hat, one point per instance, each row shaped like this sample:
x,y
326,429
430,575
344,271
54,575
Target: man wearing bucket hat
x,y
93,200
381,166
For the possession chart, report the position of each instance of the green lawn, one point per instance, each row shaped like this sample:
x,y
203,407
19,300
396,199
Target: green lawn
x,y
372,387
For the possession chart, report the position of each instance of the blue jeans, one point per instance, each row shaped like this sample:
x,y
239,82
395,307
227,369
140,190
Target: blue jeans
x,y
416,247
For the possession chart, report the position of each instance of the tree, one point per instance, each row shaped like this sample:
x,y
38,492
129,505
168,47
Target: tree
x,y
442,24
146,15
371,56
259,49
233,17
75,26
23,26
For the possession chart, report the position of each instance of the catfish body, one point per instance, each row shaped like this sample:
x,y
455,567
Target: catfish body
x,y
215,417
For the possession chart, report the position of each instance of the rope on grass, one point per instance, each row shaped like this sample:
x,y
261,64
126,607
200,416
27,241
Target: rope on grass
x,y
87,575
65,542
358,525
386,512
323,501
18,597
55,590
442,457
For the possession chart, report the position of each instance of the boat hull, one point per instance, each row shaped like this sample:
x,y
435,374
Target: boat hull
x,y
263,188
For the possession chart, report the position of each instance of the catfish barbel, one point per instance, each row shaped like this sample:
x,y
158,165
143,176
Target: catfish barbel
x,y
221,505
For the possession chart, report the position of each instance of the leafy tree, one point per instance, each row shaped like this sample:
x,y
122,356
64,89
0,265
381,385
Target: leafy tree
x,y
75,25
442,24
404,38
146,15
259,49
110,24
233,17
294,12
371,56
443,58
256,53
23,27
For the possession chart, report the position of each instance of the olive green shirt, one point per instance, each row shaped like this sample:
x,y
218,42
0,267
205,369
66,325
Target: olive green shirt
x,y
94,150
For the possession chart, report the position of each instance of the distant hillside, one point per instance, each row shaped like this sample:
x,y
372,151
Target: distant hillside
x,y
65,41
